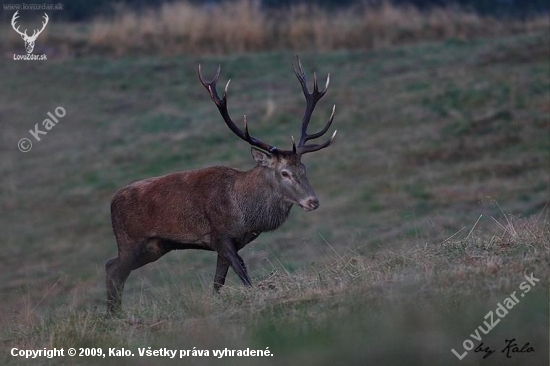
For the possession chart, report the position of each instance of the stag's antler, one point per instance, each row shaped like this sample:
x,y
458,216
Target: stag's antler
x,y
43,26
13,19
311,101
36,32
221,103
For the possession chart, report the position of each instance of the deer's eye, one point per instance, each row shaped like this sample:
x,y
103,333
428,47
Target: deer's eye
x,y
285,174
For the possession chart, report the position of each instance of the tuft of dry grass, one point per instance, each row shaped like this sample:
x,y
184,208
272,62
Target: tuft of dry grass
x,y
243,26
183,27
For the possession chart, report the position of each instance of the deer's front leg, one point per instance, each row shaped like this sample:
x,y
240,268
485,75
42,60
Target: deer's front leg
x,y
228,251
222,266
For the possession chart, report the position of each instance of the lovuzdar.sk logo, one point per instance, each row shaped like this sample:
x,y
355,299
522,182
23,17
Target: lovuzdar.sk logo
x,y
29,40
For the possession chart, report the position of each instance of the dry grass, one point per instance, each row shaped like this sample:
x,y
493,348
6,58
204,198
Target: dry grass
x,y
473,268
243,26
182,27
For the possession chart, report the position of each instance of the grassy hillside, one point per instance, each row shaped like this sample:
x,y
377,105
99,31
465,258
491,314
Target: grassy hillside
x,y
433,205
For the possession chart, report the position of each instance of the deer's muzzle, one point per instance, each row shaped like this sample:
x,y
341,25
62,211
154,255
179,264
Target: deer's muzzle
x,y
309,203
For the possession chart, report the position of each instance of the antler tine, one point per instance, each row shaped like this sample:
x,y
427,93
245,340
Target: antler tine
x,y
211,83
46,18
221,103
246,134
311,148
13,21
300,74
325,129
311,101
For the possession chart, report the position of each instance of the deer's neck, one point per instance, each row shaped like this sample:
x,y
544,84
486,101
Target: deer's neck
x,y
260,201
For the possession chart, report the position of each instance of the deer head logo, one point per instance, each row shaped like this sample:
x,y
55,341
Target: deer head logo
x,y
29,40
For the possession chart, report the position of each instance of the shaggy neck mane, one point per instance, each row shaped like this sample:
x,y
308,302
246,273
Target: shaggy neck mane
x,y
263,207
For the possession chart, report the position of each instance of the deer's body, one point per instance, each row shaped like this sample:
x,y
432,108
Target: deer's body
x,y
218,208
191,209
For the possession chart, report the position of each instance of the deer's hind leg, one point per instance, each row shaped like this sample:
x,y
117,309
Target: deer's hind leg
x,y
117,272
118,269
149,251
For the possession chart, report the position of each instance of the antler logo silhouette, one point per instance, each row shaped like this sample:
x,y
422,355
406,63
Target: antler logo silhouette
x,y
29,40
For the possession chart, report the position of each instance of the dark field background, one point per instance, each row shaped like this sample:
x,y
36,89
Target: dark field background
x,y
434,196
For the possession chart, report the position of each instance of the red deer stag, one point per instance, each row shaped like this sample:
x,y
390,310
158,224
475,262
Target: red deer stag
x,y
218,208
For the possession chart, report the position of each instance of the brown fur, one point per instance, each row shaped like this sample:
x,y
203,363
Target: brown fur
x,y
218,208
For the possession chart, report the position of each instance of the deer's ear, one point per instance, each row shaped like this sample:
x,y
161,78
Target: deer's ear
x,y
262,157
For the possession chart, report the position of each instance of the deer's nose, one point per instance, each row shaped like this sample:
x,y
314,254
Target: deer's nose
x,y
310,203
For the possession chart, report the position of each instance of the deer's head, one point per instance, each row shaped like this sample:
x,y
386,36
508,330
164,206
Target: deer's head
x,y
284,168
29,40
